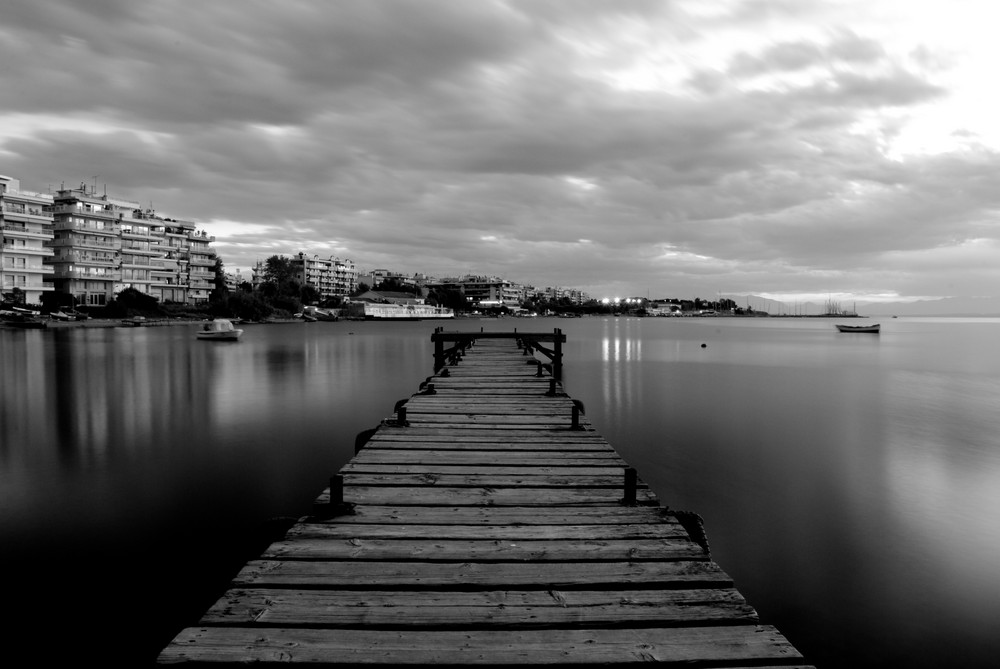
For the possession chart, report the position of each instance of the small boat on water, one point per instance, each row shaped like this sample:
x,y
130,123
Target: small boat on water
x,y
873,329
221,329
23,321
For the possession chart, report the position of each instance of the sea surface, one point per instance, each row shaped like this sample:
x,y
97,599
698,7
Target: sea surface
x,y
849,483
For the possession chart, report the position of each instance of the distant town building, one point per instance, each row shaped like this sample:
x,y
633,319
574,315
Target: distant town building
x,y
330,277
482,291
554,294
27,228
103,245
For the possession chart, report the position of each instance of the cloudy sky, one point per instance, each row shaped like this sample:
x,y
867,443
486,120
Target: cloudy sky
x,y
685,148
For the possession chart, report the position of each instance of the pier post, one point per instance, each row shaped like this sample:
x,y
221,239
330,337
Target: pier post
x,y
438,351
336,491
631,482
557,355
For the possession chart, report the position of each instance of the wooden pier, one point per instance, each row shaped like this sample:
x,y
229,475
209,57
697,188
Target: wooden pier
x,y
486,523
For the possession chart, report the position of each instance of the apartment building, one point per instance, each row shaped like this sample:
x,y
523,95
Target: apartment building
x,y
331,277
103,245
491,290
27,228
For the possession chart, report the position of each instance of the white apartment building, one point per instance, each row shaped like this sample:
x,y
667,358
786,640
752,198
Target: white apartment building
x,y
27,227
331,277
491,290
103,245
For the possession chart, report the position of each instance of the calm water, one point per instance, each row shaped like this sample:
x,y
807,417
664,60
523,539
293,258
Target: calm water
x,y
850,484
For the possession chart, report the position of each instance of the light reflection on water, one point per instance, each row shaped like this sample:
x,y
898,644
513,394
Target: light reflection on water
x,y
849,483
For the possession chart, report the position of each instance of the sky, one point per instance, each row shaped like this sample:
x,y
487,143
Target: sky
x,y
830,149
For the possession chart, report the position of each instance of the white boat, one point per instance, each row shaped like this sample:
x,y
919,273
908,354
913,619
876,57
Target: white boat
x,y
220,329
374,311
874,329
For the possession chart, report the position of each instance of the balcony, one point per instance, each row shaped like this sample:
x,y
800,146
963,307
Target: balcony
x,y
87,258
90,244
89,228
30,216
84,274
20,231
43,251
136,251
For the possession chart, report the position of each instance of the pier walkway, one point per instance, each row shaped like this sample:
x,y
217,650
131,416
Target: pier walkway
x,y
486,523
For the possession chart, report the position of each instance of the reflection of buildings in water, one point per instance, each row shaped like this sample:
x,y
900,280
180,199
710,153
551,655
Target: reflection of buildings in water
x,y
23,420
124,390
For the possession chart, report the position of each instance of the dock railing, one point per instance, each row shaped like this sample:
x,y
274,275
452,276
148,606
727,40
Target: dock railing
x,y
529,342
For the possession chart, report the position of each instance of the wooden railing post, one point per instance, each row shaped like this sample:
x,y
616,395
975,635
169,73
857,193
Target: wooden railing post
x,y
438,351
631,482
557,355
336,491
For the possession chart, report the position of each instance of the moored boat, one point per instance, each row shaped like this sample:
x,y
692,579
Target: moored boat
x,y
873,329
23,321
221,329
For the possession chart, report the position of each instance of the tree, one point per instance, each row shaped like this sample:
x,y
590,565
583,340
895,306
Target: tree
x,y
279,271
450,298
244,305
395,286
132,302
220,289
309,295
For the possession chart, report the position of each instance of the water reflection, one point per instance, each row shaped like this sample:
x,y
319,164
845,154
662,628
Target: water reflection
x,y
849,484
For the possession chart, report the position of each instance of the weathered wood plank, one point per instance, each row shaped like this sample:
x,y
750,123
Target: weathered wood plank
x,y
504,515
433,495
486,443
533,436
485,458
493,480
487,532
332,647
634,550
493,609
539,473
479,575
490,420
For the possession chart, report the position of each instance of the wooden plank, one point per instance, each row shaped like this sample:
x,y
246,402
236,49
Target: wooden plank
x,y
634,550
503,515
433,495
532,436
487,532
539,473
493,480
488,458
332,647
492,608
479,575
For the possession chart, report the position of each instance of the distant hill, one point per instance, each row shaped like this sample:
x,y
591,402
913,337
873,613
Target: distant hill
x,y
946,306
